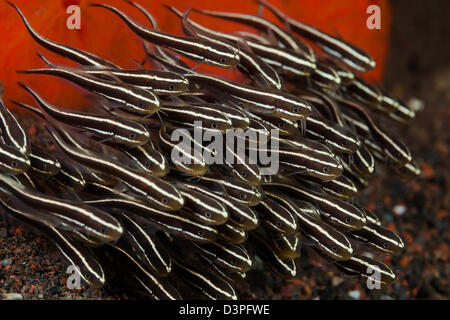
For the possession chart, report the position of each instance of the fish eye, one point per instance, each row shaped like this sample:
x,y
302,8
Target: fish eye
x,y
223,60
214,125
171,87
326,169
334,248
244,173
295,109
344,143
278,224
147,164
103,230
42,166
164,200
243,196
208,214
340,190
241,219
385,245
13,164
281,125
132,135
348,220
397,155
88,276
141,104
201,233
232,261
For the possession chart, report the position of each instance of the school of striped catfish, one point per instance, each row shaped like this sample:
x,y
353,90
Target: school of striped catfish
x,y
114,200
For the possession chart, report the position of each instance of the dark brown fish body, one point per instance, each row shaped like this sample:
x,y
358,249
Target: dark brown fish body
x,y
82,57
12,132
346,52
160,81
12,161
155,190
44,163
92,220
132,98
370,269
328,240
337,212
196,49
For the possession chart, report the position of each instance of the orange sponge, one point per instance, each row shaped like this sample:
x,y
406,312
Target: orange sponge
x,y
106,35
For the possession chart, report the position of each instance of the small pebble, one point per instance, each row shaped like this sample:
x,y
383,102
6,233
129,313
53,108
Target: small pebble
x,y
258,264
354,294
13,296
416,104
335,281
400,209
6,262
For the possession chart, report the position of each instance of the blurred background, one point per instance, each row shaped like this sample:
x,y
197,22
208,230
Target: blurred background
x,y
412,50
